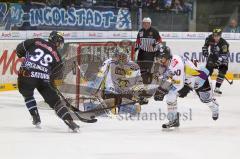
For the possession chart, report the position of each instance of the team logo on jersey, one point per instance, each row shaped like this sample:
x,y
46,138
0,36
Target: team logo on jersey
x,y
120,71
224,48
122,83
174,62
141,33
129,72
134,67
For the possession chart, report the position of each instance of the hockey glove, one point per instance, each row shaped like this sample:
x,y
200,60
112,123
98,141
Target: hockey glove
x,y
205,51
184,91
142,100
222,60
160,93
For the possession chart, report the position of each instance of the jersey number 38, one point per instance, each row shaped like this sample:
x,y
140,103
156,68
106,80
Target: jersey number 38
x,y
44,59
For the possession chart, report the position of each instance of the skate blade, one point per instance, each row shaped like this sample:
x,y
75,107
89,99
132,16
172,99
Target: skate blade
x,y
77,130
38,126
217,94
170,129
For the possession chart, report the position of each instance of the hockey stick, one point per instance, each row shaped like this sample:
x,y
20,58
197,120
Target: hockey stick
x,y
230,82
102,107
76,111
102,104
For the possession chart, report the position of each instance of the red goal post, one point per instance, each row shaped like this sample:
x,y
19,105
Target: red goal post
x,y
97,51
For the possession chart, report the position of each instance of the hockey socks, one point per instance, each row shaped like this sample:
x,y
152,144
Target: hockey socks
x,y
32,108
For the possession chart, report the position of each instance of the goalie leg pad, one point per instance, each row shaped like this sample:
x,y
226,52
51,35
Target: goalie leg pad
x,y
89,106
130,109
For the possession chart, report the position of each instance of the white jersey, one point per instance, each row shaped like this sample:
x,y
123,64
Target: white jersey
x,y
120,79
183,71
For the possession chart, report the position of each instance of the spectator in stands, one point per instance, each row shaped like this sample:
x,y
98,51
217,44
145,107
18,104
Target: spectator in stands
x,y
188,6
87,3
181,6
153,4
78,3
167,4
53,2
139,3
106,3
177,6
232,27
124,3
67,3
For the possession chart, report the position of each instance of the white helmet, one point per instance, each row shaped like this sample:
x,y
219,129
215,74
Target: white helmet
x,y
147,20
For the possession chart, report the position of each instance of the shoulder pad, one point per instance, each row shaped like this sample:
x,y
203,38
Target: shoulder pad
x,y
224,42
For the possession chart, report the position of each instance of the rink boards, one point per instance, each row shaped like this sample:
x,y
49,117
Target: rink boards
x,y
185,44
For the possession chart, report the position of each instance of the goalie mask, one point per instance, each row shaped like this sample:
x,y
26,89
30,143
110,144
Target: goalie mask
x,y
57,39
121,55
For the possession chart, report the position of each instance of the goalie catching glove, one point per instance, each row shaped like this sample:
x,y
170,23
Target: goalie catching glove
x,y
138,94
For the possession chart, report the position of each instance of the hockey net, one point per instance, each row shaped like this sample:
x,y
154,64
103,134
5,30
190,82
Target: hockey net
x,y
81,64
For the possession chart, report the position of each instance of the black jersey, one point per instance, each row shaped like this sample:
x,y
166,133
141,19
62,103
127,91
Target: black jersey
x,y
147,38
220,49
40,58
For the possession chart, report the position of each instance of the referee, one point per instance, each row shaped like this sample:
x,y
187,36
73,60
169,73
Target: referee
x,y
148,40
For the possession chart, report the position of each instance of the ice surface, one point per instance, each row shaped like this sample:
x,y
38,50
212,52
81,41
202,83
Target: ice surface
x,y
198,138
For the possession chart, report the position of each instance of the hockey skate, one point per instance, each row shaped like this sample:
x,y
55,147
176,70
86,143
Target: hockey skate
x,y
217,91
72,125
36,120
215,110
173,123
215,116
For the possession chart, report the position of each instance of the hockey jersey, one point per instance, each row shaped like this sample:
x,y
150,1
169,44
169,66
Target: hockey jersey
x,y
183,71
218,50
119,79
40,57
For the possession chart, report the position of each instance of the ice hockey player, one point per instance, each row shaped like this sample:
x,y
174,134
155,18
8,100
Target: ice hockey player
x,y
147,42
40,58
119,78
183,76
218,57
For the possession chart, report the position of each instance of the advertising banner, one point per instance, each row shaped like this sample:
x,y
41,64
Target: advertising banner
x,y
41,17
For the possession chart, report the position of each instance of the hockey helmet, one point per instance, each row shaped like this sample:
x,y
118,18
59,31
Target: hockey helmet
x,y
147,20
56,38
165,52
217,32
